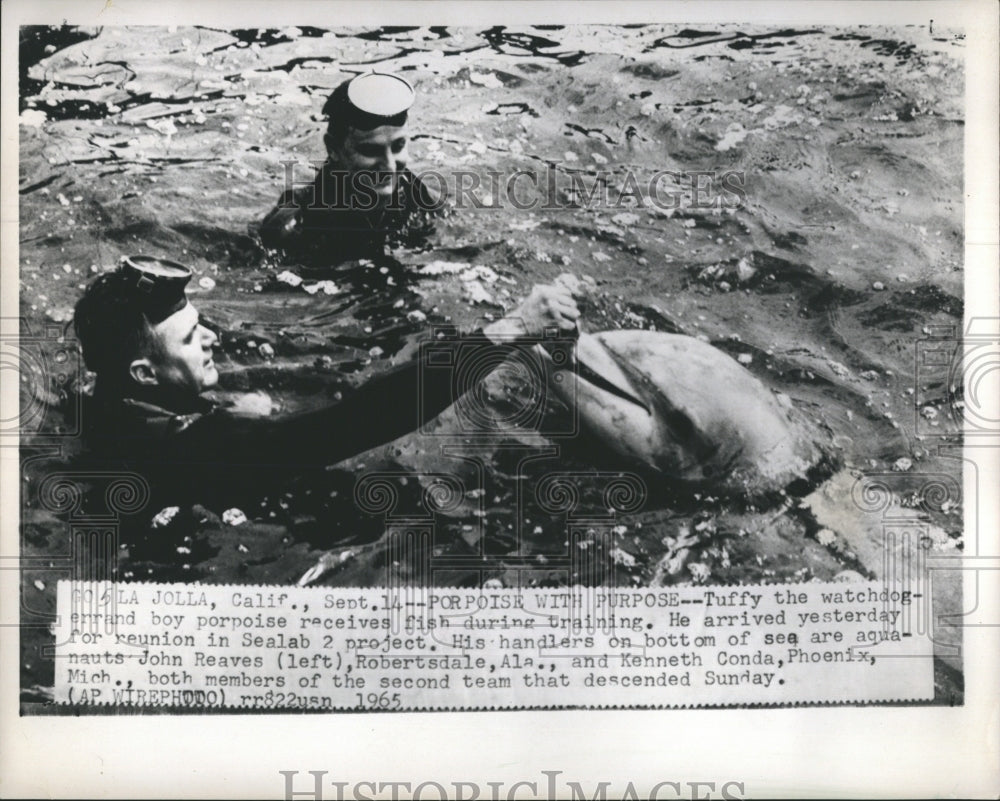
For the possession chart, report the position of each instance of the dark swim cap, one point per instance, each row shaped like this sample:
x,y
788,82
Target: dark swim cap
x,y
158,283
368,101
113,316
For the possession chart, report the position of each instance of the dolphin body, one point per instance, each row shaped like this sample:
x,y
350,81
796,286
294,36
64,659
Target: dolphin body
x,y
704,420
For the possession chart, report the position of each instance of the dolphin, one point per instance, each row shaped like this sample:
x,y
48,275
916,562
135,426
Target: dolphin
x,y
680,408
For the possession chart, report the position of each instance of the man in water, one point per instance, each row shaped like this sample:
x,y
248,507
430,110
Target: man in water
x,y
363,197
153,359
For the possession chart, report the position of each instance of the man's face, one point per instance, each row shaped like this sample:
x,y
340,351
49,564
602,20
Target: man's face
x,y
376,157
183,360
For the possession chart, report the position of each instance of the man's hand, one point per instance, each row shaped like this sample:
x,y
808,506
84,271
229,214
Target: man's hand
x,y
547,307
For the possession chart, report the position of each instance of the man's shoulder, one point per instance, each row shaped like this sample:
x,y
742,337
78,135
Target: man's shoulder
x,y
283,224
129,432
138,418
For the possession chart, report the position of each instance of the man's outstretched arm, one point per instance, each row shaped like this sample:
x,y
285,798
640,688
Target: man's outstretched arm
x,y
386,407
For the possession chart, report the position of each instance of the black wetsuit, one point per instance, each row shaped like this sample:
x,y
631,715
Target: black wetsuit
x,y
319,225
209,456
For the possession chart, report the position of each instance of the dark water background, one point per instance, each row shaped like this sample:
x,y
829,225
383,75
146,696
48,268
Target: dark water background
x,y
173,143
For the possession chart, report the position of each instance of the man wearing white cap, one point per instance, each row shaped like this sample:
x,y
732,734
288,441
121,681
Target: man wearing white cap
x,y
363,196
